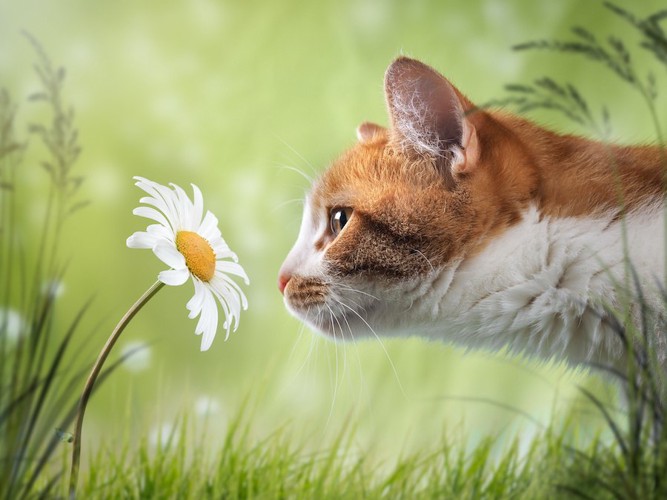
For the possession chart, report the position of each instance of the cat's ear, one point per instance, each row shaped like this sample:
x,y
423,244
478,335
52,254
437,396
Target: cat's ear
x,y
428,115
368,133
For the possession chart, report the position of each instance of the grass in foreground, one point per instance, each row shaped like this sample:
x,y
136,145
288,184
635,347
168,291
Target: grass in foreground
x,y
275,467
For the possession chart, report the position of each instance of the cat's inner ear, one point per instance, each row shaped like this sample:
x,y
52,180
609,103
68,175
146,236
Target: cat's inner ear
x,y
368,133
428,116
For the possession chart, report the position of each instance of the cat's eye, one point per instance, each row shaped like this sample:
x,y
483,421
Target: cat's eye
x,y
338,219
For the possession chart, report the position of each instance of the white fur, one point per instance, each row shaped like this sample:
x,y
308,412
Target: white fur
x,y
541,287
302,258
414,119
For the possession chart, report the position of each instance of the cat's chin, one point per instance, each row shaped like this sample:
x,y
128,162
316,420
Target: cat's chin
x,y
343,327
337,330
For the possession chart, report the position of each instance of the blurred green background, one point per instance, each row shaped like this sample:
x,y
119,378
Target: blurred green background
x,y
231,96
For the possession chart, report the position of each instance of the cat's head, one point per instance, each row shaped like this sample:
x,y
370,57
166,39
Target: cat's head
x,y
393,213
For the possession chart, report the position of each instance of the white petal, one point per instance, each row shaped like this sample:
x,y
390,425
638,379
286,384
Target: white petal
x,y
208,226
150,187
213,233
233,285
158,200
232,268
141,239
230,301
160,205
222,250
211,325
208,321
195,304
202,313
205,313
162,233
218,243
198,206
168,197
151,213
169,255
222,296
185,209
174,277
145,184
171,198
225,255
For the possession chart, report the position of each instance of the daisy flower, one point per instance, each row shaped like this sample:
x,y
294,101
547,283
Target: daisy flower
x,y
190,243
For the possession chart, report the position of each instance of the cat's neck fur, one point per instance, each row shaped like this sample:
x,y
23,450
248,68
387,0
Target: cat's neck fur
x,y
580,177
544,287
547,283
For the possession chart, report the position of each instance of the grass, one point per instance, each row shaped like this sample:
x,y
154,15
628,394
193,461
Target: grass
x,y
37,389
275,467
34,387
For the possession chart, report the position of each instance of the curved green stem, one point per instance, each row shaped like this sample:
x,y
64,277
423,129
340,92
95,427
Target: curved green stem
x,y
97,367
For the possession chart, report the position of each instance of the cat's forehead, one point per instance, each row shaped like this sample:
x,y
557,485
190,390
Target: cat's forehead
x,y
367,171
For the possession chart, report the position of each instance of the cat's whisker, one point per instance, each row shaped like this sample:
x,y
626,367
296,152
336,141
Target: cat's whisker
x,y
301,157
349,288
359,306
296,342
384,348
287,202
336,374
297,171
421,254
356,351
362,384
359,364
308,354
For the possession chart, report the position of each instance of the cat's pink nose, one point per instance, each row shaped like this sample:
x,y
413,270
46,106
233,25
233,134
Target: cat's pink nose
x,y
283,279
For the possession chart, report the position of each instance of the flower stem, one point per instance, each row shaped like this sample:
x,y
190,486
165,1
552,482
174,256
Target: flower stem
x,y
97,367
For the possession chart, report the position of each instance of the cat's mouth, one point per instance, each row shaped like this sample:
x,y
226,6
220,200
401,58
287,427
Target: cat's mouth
x,y
328,310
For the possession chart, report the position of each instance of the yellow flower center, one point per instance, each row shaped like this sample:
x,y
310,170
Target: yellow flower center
x,y
199,256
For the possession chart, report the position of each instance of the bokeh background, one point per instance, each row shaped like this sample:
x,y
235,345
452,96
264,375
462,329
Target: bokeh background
x,y
236,97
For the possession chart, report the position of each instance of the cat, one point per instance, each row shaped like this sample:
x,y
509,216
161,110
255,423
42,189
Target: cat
x,y
480,228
